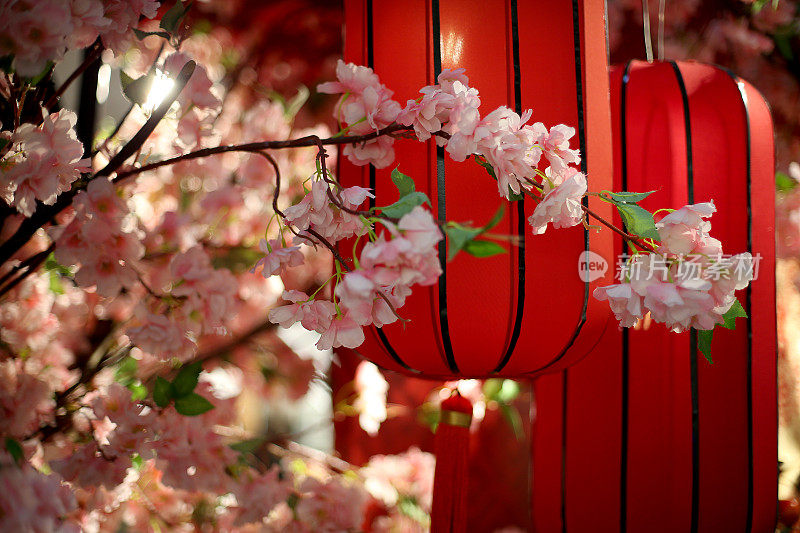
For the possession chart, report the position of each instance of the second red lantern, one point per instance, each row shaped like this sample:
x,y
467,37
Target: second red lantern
x,y
645,434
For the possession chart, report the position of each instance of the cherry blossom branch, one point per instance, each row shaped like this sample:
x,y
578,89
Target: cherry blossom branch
x,y
94,53
311,140
32,263
627,236
44,213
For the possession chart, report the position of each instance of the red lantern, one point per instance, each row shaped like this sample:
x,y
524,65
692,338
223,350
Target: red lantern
x,y
523,312
644,434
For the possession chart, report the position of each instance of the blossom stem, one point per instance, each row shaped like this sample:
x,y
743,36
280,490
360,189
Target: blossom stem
x,y
311,140
93,54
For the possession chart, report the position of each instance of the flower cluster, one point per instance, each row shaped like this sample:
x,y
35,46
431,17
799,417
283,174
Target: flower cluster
x,y
449,111
366,105
103,238
672,284
41,162
400,257
35,32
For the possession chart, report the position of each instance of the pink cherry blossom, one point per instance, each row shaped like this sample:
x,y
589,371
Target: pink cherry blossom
x,y
365,105
26,319
34,32
258,495
343,331
320,506
190,454
409,474
198,91
277,257
43,163
88,20
26,402
32,501
419,227
508,146
124,15
163,336
351,78
560,207
286,315
555,145
428,114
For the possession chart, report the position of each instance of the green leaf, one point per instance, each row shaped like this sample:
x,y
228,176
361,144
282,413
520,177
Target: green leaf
x,y
142,34
638,221
784,182
629,197
125,371
491,388
137,461
55,283
783,42
138,391
162,392
483,248
291,107
457,237
508,391
14,449
186,380
485,164
50,264
193,405
514,197
404,184
247,446
136,90
408,506
39,77
495,220
405,204
511,414
704,337
732,314
173,16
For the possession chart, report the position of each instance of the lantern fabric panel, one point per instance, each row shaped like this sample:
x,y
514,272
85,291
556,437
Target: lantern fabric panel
x,y
694,443
763,332
522,312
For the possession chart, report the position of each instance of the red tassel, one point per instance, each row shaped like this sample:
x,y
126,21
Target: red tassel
x,y
450,480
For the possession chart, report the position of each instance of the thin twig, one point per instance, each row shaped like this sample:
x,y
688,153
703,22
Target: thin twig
x,y
311,140
32,263
95,52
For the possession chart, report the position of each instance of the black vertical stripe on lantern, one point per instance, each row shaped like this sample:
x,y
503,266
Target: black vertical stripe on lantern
x,y
692,333
581,129
748,303
441,203
520,204
387,345
623,463
576,37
